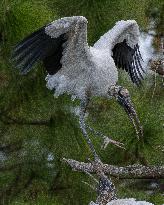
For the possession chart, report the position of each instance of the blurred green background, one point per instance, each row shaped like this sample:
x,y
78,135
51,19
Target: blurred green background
x,y
38,130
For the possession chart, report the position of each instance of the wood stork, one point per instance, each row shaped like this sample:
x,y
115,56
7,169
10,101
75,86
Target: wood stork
x,y
84,71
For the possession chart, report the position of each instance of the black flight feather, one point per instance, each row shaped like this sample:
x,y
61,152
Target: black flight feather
x,y
129,59
39,46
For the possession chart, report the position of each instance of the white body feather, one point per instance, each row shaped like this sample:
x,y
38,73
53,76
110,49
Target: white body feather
x,y
87,69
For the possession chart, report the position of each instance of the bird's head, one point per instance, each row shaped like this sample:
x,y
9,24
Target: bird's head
x,y
122,96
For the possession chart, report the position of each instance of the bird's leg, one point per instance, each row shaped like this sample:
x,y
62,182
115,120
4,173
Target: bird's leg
x,y
106,189
106,139
122,96
83,106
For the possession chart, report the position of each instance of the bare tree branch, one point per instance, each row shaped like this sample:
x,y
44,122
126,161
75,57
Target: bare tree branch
x,y
132,171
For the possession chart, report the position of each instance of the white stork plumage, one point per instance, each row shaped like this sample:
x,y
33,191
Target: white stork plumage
x,y
81,70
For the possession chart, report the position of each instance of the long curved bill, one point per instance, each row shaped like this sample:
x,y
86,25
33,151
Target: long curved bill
x,y
123,98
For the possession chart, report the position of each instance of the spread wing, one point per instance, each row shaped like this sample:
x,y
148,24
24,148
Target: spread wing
x,y
129,59
122,42
48,43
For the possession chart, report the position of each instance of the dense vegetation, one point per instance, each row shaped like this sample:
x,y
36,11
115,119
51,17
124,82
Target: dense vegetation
x,y
37,130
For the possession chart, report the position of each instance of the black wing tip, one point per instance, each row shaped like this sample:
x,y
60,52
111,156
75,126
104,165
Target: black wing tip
x,y
23,73
139,84
129,59
39,46
26,53
18,66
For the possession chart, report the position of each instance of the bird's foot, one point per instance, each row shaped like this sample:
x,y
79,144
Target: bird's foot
x,y
106,139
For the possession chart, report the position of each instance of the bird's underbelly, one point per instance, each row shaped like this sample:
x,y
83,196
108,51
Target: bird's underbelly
x,y
105,72
103,78
94,78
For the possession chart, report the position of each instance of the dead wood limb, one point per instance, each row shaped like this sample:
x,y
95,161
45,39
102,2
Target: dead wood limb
x,y
129,172
106,190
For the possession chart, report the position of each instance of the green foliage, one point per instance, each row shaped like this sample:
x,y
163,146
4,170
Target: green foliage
x,y
20,18
135,189
37,131
103,14
150,109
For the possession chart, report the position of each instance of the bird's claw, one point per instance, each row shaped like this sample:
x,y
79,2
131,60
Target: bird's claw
x,y
108,140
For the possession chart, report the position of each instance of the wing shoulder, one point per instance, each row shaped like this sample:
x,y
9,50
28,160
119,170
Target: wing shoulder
x,y
122,43
128,30
48,43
